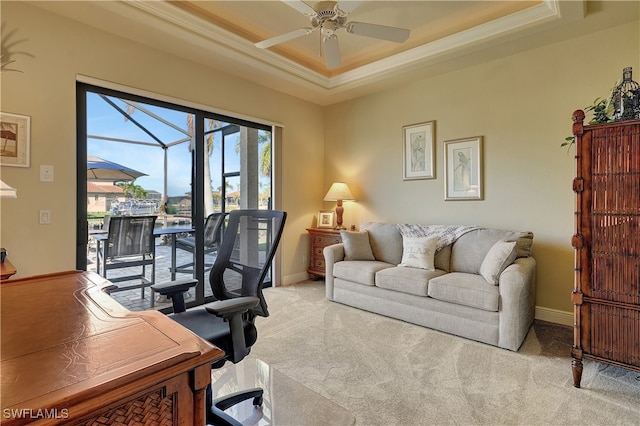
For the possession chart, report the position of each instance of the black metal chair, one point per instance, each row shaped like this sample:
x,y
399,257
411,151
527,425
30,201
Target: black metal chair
x,y
129,243
249,243
212,238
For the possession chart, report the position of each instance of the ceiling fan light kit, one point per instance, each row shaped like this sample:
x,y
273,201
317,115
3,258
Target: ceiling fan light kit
x,y
329,17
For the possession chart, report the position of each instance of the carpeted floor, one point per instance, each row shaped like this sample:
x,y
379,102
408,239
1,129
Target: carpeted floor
x,y
387,372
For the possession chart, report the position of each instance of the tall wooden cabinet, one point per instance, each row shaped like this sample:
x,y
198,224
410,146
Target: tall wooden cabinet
x,y
606,294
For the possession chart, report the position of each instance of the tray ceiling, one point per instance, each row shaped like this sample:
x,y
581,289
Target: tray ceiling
x,y
221,34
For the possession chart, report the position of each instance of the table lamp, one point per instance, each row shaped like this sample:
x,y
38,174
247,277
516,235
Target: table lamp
x,y
339,192
6,191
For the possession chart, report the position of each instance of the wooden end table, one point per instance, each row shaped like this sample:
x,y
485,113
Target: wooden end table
x,y
320,238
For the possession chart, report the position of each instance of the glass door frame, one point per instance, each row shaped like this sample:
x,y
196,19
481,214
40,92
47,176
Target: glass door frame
x,y
197,172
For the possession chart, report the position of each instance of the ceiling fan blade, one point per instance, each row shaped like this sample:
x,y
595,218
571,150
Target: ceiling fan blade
x,y
383,32
283,37
349,5
332,52
300,6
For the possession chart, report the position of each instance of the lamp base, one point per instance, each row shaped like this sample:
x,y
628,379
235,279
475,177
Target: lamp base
x,y
339,211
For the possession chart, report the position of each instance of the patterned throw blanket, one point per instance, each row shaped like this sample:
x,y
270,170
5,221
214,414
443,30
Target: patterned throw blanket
x,y
447,234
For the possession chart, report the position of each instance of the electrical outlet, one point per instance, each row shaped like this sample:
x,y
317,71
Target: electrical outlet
x,y
45,217
304,259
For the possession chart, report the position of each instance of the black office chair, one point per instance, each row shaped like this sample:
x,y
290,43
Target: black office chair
x,y
249,243
212,239
129,243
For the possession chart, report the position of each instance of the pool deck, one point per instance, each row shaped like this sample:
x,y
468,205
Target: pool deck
x,y
131,299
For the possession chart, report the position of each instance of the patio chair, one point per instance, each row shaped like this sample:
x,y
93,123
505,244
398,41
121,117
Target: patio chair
x,y
249,243
129,243
212,239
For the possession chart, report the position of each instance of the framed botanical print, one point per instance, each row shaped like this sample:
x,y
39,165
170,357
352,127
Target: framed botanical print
x,y
463,165
418,151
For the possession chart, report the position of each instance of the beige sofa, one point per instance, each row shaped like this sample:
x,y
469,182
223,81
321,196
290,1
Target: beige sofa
x,y
477,283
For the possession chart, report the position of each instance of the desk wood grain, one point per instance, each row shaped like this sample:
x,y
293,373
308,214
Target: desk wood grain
x,y
71,352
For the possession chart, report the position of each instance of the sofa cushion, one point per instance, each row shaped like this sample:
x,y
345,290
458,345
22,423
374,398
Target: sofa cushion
x,y
359,271
356,245
443,258
465,289
501,255
406,280
418,252
385,240
469,251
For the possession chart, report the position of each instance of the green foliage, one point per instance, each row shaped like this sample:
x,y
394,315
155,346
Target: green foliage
x,y
132,190
601,109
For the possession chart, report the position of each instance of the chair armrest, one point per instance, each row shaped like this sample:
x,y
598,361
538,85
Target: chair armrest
x,y
170,288
233,310
230,307
175,290
517,287
332,254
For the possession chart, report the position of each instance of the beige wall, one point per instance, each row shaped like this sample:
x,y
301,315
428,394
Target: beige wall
x,y
521,105
59,50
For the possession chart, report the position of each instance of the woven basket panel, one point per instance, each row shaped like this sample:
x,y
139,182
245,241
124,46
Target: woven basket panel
x,y
615,333
615,210
150,409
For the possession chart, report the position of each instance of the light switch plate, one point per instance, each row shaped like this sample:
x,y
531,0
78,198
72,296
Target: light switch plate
x,y
46,173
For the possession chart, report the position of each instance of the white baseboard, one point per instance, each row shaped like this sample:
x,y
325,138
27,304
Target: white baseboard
x,y
554,315
295,278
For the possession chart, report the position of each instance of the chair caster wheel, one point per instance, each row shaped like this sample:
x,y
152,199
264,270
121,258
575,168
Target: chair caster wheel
x,y
257,401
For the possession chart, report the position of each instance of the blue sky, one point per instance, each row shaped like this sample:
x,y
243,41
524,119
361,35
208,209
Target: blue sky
x,y
104,120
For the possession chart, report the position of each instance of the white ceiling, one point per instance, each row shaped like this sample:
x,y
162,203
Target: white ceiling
x,y
444,35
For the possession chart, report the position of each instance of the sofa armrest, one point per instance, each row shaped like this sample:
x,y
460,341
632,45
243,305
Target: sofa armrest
x,y
332,254
517,287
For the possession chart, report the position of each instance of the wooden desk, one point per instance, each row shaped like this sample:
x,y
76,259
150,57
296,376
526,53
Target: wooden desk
x,y
7,270
72,355
320,238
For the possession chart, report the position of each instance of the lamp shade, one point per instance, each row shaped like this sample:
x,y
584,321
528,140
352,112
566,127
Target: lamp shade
x,y
339,191
7,192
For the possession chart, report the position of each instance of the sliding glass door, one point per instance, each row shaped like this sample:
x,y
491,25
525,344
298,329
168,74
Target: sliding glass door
x,y
140,156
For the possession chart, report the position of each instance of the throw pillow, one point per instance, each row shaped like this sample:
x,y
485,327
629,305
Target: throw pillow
x,y
418,252
356,245
501,255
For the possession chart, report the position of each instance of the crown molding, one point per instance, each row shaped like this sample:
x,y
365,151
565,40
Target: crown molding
x,y
166,27
273,65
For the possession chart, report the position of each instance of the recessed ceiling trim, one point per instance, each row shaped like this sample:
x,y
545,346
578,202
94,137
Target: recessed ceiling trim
x,y
169,28
244,50
542,13
224,39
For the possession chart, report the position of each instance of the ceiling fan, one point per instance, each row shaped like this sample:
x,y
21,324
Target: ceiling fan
x,y
328,17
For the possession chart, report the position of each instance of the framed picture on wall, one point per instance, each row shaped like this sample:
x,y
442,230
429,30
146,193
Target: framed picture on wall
x,y
14,139
325,218
418,142
463,165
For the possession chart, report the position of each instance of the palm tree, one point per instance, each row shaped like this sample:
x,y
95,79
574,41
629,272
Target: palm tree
x,y
132,190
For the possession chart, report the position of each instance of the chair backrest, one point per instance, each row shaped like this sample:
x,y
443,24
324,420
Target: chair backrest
x,y
212,229
131,235
249,243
